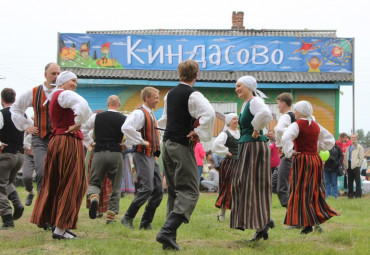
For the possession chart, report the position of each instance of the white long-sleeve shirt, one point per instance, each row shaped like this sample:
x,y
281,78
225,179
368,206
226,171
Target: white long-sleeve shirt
x,y
220,141
20,106
283,123
199,107
1,120
134,122
325,141
79,106
27,142
1,123
260,111
89,126
86,128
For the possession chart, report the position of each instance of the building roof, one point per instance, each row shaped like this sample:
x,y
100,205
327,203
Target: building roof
x,y
218,76
225,32
213,76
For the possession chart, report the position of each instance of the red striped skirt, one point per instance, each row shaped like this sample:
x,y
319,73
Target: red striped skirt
x,y
226,175
251,187
105,188
64,184
307,205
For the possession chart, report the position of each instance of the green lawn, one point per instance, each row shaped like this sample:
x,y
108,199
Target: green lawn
x,y
346,234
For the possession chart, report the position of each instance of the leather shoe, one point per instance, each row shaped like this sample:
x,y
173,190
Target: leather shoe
x,y
29,199
306,230
262,233
167,242
62,237
93,208
57,236
146,226
127,222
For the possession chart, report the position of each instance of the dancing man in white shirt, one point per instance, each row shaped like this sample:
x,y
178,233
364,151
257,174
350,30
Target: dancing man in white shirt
x,y
107,156
284,101
184,107
41,127
141,131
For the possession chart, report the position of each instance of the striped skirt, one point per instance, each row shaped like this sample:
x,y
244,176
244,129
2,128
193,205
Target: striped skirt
x,y
64,184
226,175
251,187
307,205
105,187
127,185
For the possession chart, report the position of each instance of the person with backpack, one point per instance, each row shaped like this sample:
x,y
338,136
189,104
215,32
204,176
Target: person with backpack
x,y
330,171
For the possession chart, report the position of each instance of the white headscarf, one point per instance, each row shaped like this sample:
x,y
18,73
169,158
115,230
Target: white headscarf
x,y
63,77
305,108
251,83
229,118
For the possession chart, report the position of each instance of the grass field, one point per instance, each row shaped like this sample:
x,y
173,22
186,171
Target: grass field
x,y
346,234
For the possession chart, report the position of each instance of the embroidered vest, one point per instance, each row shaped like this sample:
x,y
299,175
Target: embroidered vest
x,y
149,133
62,118
42,120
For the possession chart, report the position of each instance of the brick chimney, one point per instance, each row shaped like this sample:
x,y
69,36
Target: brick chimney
x,y
238,18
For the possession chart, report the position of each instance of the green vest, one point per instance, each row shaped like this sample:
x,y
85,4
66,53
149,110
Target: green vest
x,y
246,128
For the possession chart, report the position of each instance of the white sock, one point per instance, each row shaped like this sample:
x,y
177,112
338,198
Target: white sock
x,y
59,231
68,235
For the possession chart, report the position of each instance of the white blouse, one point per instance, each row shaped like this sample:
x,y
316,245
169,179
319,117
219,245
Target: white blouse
x,y
325,142
281,126
220,141
199,107
260,111
79,106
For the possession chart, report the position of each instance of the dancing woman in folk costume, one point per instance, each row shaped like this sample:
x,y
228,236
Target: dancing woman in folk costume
x,y
64,182
226,144
251,185
307,206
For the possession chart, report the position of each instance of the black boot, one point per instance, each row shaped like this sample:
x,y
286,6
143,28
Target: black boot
x,y
17,204
146,220
29,199
167,235
128,219
7,222
262,233
94,199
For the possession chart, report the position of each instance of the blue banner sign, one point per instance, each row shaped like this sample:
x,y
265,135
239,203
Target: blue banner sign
x,y
213,53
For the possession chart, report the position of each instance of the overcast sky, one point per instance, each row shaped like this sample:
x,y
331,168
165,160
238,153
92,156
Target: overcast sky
x,y
29,32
